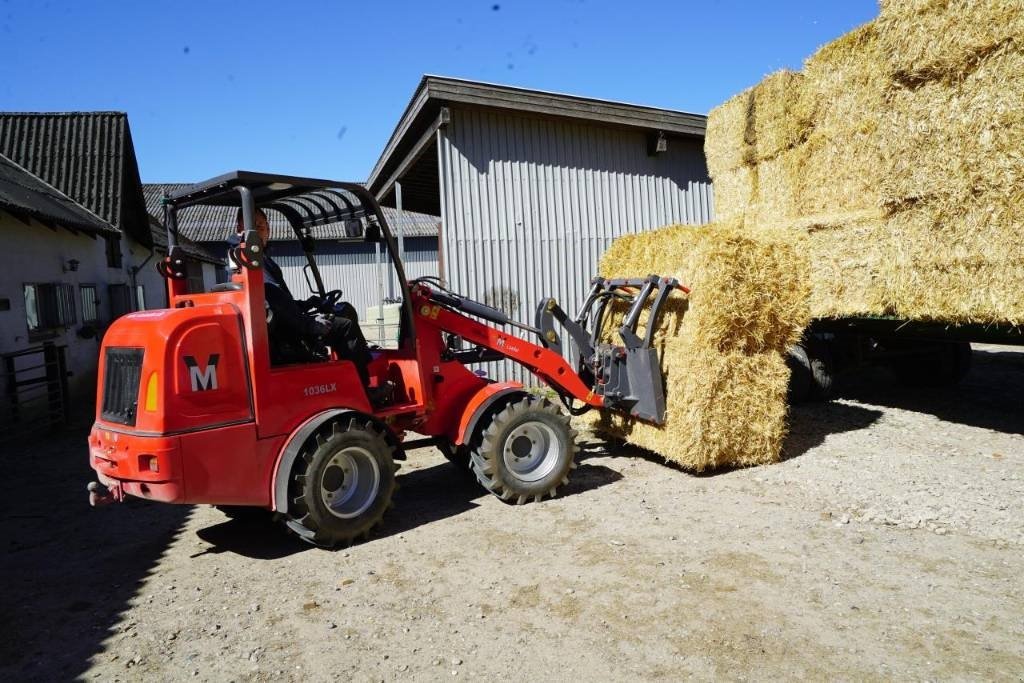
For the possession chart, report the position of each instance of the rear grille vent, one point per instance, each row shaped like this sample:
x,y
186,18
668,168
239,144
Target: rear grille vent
x,y
121,385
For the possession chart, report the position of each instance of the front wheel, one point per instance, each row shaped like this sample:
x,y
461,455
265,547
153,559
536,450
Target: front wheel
x,y
342,483
526,451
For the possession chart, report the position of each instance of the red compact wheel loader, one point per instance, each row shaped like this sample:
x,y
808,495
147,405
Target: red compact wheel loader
x,y
193,407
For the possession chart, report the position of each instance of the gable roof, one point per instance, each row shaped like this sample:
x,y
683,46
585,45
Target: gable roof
x,y
410,142
88,156
216,223
25,195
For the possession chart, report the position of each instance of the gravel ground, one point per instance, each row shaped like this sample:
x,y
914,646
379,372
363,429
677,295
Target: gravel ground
x,y
887,544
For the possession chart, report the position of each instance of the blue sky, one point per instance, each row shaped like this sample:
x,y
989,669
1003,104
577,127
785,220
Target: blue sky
x,y
315,88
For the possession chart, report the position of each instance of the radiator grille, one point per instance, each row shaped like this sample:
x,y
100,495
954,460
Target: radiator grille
x,y
121,385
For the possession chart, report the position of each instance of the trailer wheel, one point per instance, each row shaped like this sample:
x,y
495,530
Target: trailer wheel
x,y
526,451
811,369
342,483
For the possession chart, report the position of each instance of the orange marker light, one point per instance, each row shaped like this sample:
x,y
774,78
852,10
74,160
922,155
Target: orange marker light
x,y
152,390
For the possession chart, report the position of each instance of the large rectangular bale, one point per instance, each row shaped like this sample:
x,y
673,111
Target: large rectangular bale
x,y
959,264
946,40
837,168
952,142
748,290
757,124
777,187
849,255
734,192
728,143
780,117
724,410
721,347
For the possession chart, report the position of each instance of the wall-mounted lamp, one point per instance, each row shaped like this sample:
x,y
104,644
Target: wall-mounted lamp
x,y
657,144
71,266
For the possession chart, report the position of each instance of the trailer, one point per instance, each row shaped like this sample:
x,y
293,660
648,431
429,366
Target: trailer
x,y
919,352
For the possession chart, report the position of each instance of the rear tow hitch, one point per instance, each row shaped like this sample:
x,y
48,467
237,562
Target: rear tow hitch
x,y
101,495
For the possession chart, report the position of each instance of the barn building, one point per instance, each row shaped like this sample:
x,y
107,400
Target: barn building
x,y
532,187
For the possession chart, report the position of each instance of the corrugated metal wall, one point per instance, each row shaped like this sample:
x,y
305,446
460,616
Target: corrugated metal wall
x,y
355,272
529,205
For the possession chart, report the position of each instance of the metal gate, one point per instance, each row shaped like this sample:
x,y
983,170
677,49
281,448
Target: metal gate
x,y
35,390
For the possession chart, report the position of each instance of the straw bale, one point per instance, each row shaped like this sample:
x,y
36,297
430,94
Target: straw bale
x,y
724,409
748,291
946,40
959,264
757,124
727,143
848,254
779,115
777,191
844,82
721,347
950,143
734,191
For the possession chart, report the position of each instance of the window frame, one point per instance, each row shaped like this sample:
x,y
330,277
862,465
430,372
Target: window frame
x,y
83,288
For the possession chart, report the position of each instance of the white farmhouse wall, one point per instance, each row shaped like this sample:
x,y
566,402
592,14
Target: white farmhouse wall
x,y
36,254
139,256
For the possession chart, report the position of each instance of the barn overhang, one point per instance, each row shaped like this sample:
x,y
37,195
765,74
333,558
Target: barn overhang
x,y
410,156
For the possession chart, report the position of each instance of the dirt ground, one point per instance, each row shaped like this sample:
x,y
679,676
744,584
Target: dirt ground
x,y
887,545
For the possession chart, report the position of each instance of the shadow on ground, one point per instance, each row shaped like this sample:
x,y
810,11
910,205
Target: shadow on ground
x,y
425,496
69,571
991,396
809,425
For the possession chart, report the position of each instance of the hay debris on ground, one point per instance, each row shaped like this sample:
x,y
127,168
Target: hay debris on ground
x,y
722,346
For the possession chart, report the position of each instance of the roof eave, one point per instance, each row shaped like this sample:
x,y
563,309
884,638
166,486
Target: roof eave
x,y
433,92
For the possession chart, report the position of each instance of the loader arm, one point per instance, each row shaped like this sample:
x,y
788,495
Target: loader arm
x,y
545,363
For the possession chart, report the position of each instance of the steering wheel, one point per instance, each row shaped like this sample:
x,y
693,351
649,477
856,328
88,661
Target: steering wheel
x,y
331,298
324,304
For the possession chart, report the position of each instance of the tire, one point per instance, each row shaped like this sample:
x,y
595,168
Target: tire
x,y
342,483
941,365
811,371
526,451
456,455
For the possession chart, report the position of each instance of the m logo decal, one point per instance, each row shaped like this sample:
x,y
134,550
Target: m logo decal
x,y
205,379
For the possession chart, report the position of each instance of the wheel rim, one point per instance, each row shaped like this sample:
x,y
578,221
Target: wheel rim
x,y
350,482
530,451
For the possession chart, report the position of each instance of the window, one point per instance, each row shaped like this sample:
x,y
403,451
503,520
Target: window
x,y
140,298
49,306
90,304
113,251
120,297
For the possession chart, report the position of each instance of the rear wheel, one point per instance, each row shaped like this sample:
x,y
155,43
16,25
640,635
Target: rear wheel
x,y
342,483
526,451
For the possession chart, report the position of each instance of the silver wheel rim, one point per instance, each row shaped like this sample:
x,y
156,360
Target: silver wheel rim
x,y
530,451
350,482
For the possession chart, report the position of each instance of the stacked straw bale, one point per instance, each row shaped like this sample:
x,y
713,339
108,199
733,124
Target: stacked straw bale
x,y
897,156
721,346
885,178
